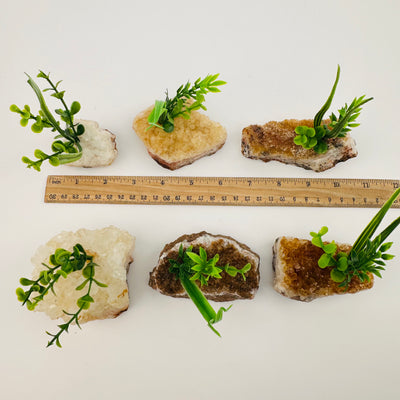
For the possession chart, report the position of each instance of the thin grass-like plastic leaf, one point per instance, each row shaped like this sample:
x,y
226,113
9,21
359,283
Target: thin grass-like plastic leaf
x,y
387,231
43,105
373,225
320,114
70,157
158,110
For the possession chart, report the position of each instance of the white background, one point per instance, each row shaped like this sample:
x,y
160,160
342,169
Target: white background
x,y
279,59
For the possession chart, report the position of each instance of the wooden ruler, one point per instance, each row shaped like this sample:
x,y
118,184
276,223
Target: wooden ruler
x,y
230,191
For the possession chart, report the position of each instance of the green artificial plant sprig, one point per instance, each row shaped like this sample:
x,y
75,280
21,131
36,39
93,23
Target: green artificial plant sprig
x,y
316,137
63,263
63,151
187,99
190,267
366,256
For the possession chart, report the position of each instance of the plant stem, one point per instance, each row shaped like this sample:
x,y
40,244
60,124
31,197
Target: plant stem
x,y
64,328
50,285
71,122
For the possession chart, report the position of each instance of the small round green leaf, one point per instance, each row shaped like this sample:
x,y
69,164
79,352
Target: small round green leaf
x,y
324,260
14,108
40,154
62,273
75,107
323,231
316,241
320,132
168,127
321,148
61,256
310,132
337,276
24,122
330,248
88,271
20,294
312,142
298,140
58,146
37,128
80,129
301,130
26,282
385,247
54,161
26,160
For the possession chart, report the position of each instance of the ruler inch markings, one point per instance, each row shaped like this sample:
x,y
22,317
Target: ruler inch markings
x,y
232,191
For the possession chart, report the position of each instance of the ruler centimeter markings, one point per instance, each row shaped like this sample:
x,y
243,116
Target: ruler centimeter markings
x,y
229,191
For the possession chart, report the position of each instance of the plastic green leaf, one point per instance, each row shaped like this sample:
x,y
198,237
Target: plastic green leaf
x,y
41,74
82,285
319,132
301,130
324,260
232,271
20,294
213,89
385,247
58,146
310,132
58,95
337,276
88,271
323,231
36,128
219,83
312,142
25,282
203,254
80,129
375,222
330,248
343,264
75,107
321,148
26,160
246,268
168,127
299,140
320,114
316,241
61,256
40,154
54,161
